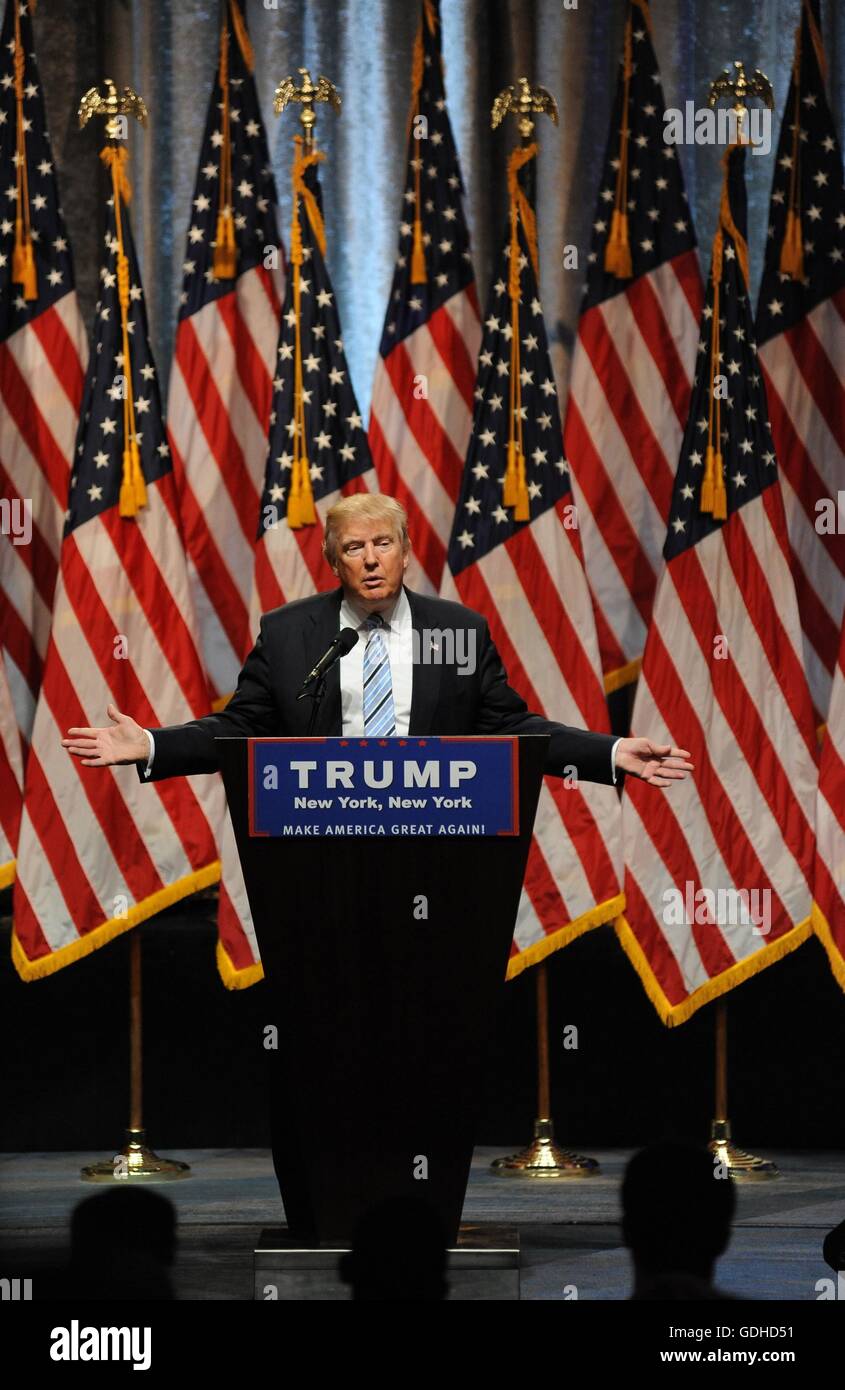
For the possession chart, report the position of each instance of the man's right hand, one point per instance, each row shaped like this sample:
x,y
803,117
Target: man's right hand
x,y
125,742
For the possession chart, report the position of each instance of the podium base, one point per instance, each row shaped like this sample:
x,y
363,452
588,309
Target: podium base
x,y
483,1265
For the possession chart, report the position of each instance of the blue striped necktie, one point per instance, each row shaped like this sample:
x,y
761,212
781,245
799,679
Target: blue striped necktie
x,y
379,716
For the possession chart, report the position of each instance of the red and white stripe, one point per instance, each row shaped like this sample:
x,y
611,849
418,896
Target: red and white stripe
x,y
829,894
745,818
629,394
804,372
533,592
99,851
42,373
419,445
221,387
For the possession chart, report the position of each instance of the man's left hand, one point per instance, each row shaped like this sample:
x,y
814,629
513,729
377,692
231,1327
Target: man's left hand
x,y
657,763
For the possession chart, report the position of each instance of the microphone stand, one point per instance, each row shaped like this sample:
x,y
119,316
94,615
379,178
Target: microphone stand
x,y
316,700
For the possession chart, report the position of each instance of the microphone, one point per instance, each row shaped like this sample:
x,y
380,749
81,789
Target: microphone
x,y
343,643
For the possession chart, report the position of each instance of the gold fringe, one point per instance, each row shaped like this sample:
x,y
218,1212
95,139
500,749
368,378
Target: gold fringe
x,y
7,873
48,965
233,978
821,927
673,1014
596,917
623,675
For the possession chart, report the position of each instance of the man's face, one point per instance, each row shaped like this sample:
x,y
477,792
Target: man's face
x,y
370,563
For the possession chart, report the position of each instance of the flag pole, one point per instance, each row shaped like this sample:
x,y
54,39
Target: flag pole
x,y
736,1162
542,1158
135,1161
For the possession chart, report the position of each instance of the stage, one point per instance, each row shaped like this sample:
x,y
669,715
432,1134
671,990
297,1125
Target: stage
x,y
569,1232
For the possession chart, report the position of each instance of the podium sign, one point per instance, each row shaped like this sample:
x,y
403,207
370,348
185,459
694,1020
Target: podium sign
x,y
384,958
384,787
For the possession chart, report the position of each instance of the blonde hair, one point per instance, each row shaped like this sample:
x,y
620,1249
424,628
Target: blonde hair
x,y
364,506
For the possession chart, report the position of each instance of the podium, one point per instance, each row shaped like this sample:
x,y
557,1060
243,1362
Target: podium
x,y
384,954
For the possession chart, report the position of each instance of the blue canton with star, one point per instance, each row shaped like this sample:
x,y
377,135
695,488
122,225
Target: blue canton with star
x,y
746,440
481,520
448,261
821,202
54,268
253,188
659,220
336,443
98,456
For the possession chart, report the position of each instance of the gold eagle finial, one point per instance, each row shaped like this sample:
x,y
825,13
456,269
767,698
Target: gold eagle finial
x,y
114,105
522,100
308,93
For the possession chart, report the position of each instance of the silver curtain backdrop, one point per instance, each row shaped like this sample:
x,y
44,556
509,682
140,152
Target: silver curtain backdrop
x,y
167,51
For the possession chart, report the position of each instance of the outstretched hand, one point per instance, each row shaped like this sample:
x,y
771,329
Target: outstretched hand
x,y
657,763
124,742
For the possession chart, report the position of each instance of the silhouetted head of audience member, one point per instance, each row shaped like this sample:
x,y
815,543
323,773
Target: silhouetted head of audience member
x,y
122,1244
398,1254
677,1209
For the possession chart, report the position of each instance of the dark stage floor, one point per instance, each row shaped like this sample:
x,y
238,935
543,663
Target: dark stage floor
x,y
569,1231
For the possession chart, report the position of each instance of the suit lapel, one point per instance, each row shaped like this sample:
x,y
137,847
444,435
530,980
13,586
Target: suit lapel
x,y
425,691
318,634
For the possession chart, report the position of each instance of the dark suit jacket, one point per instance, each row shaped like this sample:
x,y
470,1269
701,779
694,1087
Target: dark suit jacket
x,y
294,637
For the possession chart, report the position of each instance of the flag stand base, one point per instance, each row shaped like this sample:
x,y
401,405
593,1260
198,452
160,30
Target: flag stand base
x,y
543,1158
742,1166
135,1163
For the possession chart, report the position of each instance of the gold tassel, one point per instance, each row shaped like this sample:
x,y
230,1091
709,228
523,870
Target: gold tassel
x,y
224,263
418,272
23,263
792,249
307,511
720,496
225,252
706,499
510,483
617,251
521,508
133,492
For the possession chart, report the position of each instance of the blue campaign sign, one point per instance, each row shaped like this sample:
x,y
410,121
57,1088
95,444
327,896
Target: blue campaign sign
x,y
384,786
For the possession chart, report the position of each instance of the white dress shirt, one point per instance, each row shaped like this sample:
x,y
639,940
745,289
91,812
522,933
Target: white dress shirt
x,y
398,639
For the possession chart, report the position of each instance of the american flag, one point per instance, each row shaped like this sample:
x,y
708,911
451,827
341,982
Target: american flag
x,y
634,358
722,675
223,365
98,851
317,450
829,893
43,352
515,556
800,331
421,409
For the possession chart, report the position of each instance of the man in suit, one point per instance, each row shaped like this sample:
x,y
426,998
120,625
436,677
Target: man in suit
x,y
394,680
